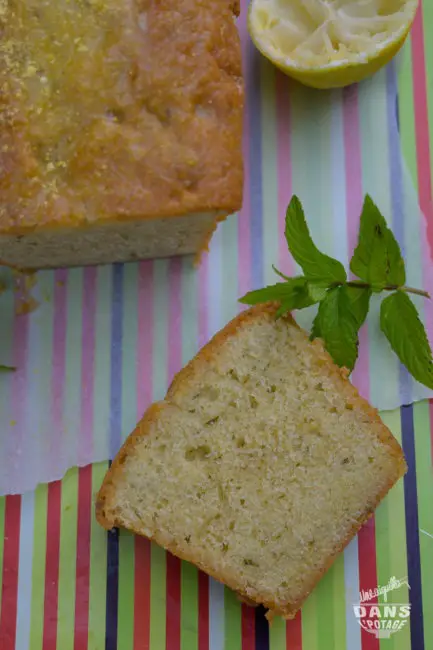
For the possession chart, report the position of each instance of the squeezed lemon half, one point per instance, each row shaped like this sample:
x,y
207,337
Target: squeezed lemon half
x,y
330,43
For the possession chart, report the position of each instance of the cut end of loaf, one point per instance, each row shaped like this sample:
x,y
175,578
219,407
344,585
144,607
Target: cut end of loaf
x,y
124,241
259,466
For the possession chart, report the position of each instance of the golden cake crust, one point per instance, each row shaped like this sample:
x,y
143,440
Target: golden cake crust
x,y
115,110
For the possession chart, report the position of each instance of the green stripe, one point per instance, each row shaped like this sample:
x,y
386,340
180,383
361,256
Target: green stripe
x,y
310,640
67,561
158,582
391,542
424,477
277,634
2,536
98,570
189,607
325,611
406,112
232,621
38,567
339,598
125,615
269,171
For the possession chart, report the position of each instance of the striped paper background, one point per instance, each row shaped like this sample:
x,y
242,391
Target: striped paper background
x,y
68,585
106,341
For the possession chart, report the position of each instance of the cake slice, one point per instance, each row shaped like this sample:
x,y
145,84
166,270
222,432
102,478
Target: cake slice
x,y
121,128
259,466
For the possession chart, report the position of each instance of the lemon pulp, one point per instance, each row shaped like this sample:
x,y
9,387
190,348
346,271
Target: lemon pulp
x,y
328,43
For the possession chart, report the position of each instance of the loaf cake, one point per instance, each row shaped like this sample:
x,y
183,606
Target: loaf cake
x,y
259,466
121,125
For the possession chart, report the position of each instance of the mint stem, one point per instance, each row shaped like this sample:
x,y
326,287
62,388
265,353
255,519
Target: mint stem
x,y
390,287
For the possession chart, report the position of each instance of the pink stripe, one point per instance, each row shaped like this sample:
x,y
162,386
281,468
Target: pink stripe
x,y
82,566
58,369
85,443
294,633
203,612
203,312
244,236
423,156
354,199
368,574
174,342
284,164
19,379
145,316
422,121
9,573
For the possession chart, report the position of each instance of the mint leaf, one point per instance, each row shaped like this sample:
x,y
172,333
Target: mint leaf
x,y
6,369
377,258
400,323
292,294
316,265
338,327
316,291
359,298
315,329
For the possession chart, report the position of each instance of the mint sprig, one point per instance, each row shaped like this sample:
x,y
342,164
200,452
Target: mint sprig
x,y
344,304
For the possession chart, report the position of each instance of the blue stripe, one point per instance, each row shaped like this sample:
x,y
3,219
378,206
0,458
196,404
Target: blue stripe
x,y
116,360
261,629
412,530
115,441
397,196
253,86
111,606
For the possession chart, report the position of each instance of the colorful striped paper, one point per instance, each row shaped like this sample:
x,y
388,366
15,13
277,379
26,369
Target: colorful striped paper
x,y
69,585
106,341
